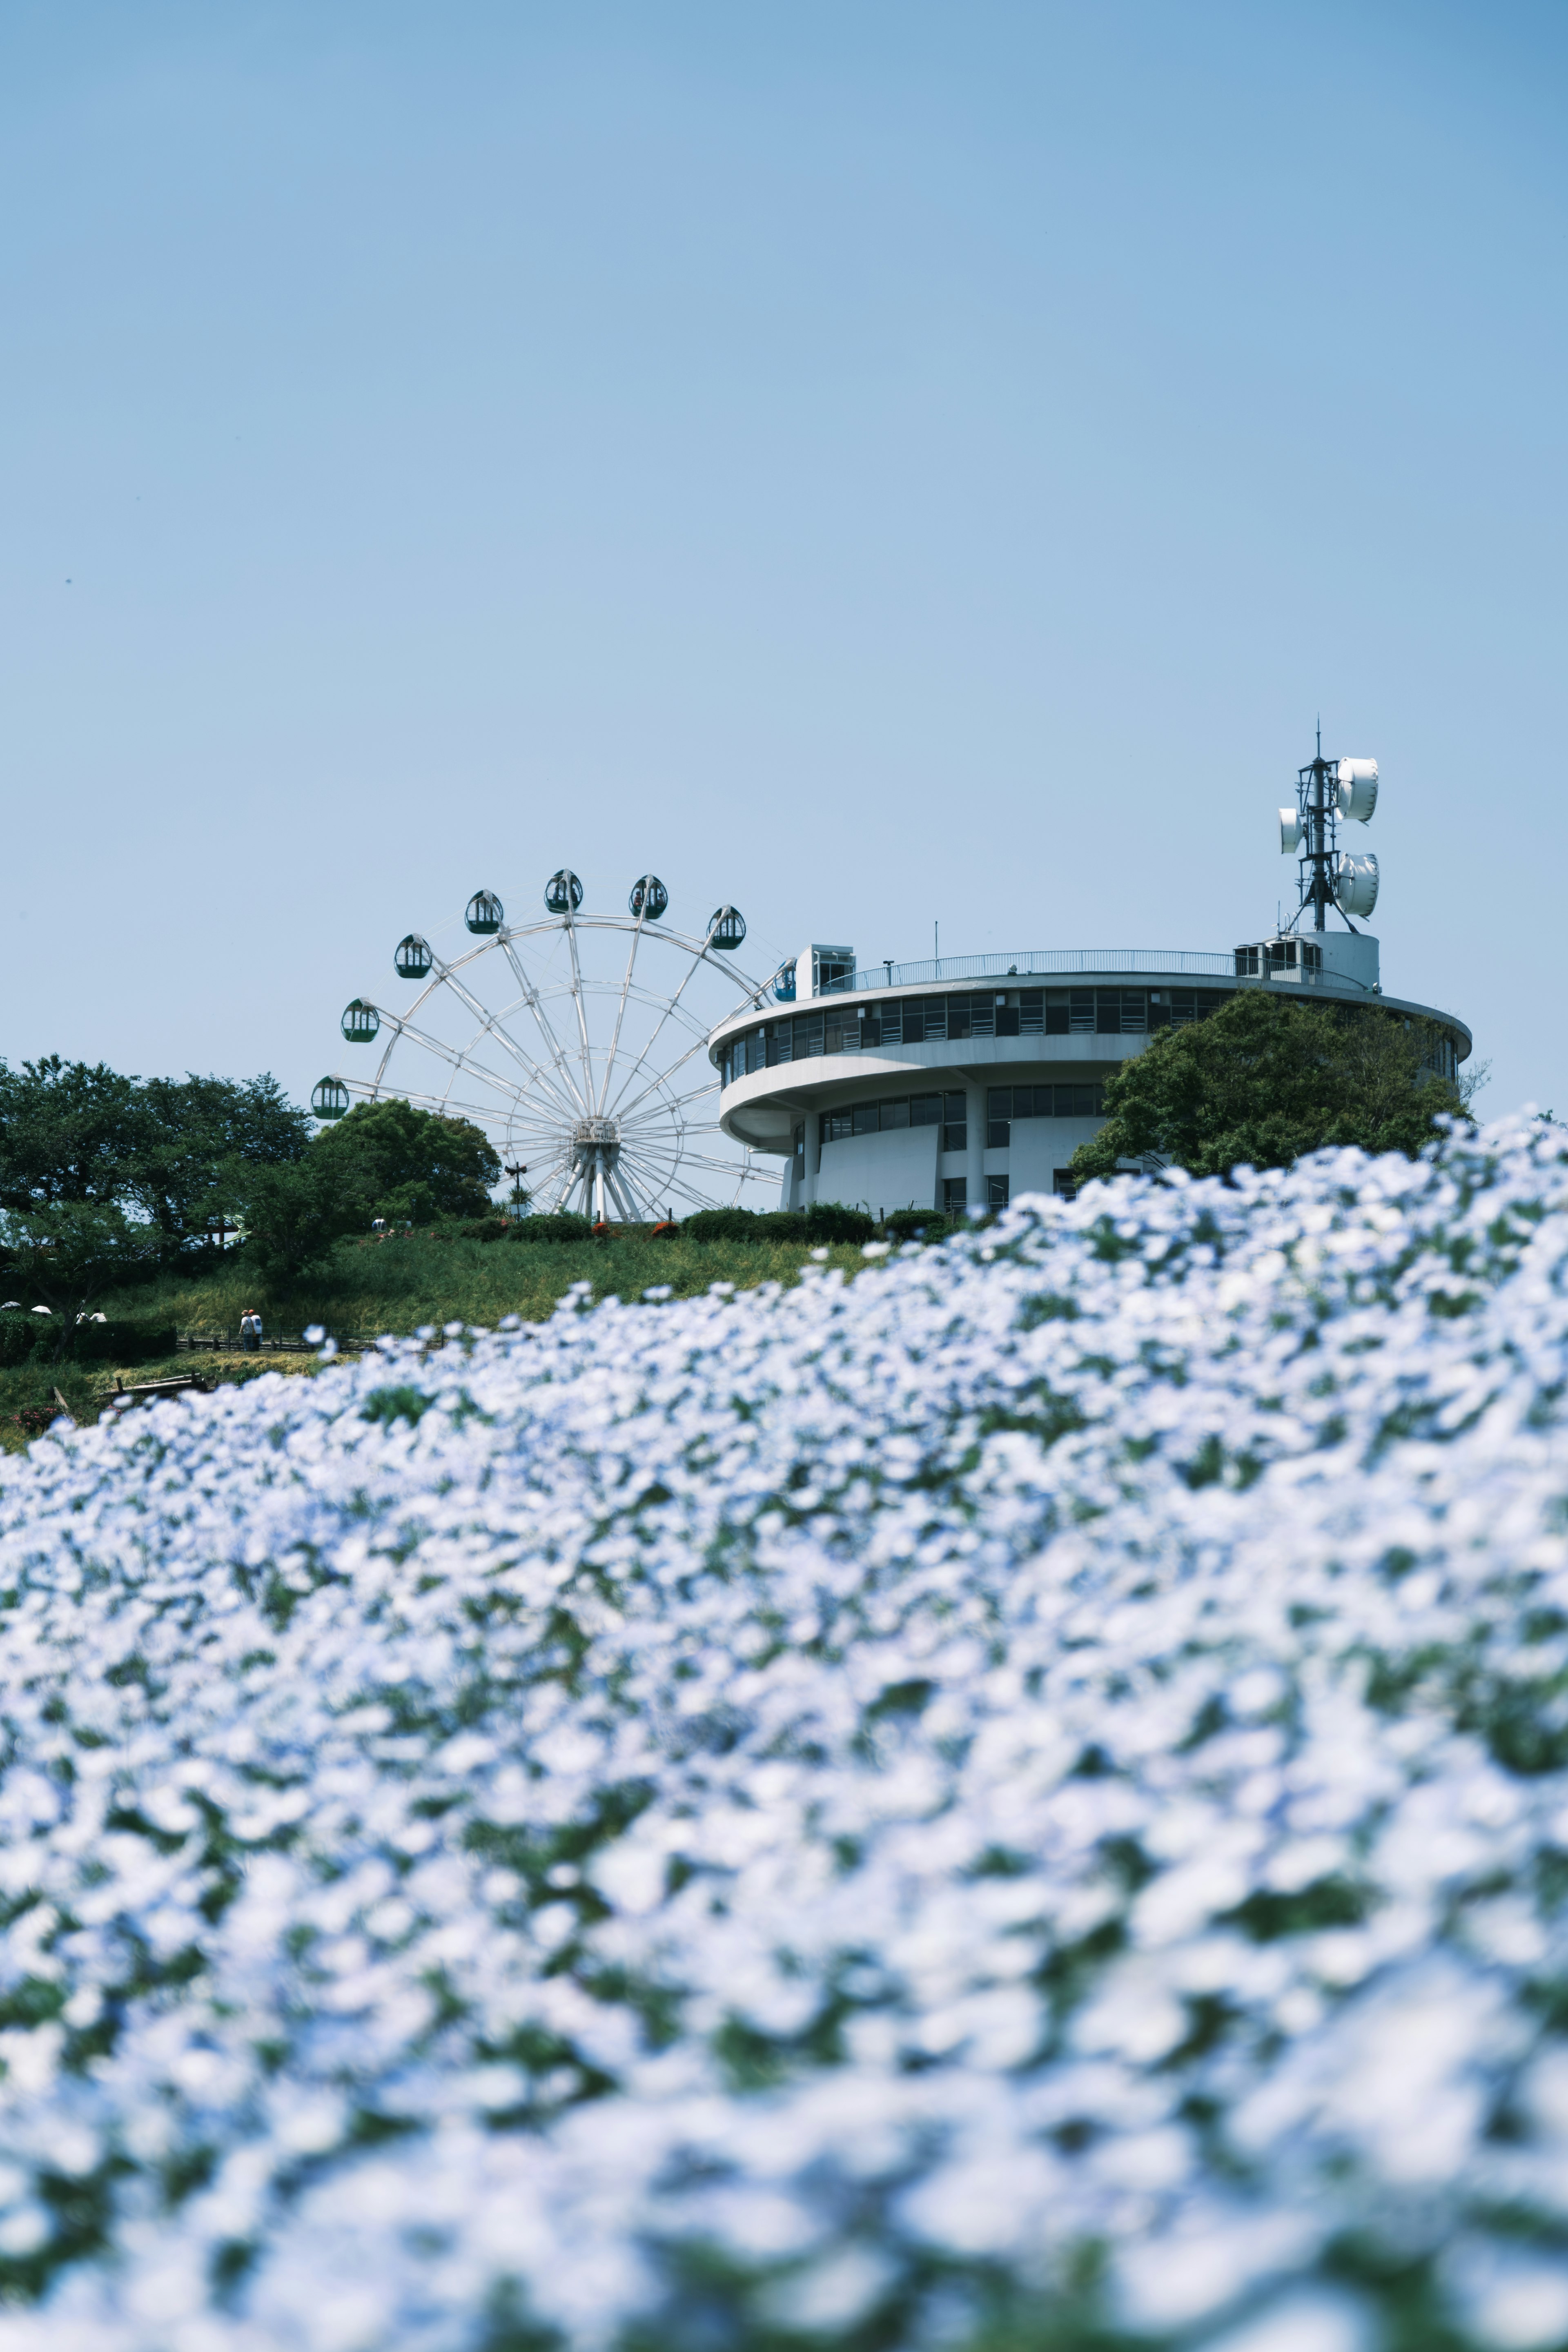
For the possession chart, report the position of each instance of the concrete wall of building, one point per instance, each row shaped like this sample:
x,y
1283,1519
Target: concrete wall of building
x,y
1038,1147
882,1171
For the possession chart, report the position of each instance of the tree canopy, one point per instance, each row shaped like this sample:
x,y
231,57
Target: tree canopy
x,y
1264,1080
105,1177
171,1153
403,1163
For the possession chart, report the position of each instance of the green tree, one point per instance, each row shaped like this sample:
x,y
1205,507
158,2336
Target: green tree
x,y
65,1253
204,1138
293,1212
69,1131
405,1162
171,1152
1264,1080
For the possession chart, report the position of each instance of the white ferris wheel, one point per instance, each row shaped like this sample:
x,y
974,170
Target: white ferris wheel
x,y
578,1043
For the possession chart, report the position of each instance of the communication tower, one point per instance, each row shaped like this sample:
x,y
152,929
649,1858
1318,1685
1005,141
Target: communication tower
x,y
1327,789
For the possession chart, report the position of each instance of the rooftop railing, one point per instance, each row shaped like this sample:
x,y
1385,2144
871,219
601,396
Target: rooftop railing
x,y
1033,963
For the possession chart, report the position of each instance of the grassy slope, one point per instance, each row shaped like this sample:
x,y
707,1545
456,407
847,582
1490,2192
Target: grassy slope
x,y
397,1286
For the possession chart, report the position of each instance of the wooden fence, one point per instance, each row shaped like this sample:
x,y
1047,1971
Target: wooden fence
x,y
282,1343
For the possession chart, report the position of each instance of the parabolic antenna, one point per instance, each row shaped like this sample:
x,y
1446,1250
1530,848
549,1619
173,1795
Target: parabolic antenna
x,y
1290,832
1355,884
1355,793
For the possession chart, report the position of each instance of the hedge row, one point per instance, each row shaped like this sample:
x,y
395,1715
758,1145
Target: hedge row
x,y
825,1221
23,1336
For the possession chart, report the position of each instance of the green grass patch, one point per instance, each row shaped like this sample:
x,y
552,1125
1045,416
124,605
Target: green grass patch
x,y
440,1276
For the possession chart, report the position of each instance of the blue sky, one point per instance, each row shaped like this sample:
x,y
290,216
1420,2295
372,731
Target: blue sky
x,y
872,463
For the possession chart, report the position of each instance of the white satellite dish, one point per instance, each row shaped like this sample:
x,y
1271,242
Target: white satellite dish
x,y
1290,832
1356,789
1355,884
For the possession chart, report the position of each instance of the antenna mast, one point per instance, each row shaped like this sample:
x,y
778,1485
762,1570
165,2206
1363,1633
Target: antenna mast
x,y
1315,798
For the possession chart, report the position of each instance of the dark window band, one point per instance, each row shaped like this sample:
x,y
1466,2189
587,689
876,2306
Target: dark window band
x,y
1005,1104
947,1111
979,1012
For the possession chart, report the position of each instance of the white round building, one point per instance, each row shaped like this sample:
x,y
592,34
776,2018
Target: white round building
x,y
964,1083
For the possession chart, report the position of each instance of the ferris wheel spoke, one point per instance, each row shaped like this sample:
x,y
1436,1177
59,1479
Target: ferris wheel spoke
x,y
457,1057
677,1189
669,1009
658,1106
371,1091
581,1016
709,1162
553,1045
446,977
496,1028
620,1013
623,1110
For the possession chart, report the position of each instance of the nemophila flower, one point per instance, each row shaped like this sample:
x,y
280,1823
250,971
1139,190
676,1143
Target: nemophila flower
x,y
1026,1792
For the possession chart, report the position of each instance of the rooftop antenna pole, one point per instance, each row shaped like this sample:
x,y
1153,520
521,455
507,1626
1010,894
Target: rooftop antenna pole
x,y
1319,842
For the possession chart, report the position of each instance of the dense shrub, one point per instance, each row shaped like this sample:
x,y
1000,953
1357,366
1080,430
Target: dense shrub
x,y
21,1333
911,1224
563,1227
721,1225
824,1221
829,1221
122,1342
25,1336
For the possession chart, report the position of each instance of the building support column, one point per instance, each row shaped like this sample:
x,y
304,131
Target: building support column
x,y
974,1138
813,1154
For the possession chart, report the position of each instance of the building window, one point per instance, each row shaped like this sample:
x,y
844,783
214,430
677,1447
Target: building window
x,y
1005,1104
799,1144
979,1012
949,1112
955,1193
995,1191
1064,1184
1174,1007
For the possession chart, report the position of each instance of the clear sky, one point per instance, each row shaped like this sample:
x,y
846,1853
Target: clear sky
x,y
874,462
